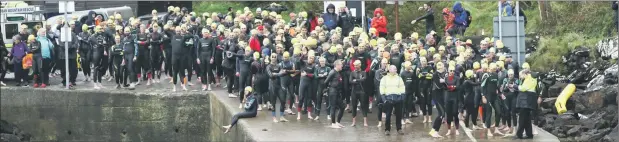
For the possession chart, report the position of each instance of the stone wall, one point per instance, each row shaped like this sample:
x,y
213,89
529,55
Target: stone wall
x,y
76,115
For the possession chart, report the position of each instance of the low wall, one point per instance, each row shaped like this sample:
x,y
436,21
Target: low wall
x,y
77,115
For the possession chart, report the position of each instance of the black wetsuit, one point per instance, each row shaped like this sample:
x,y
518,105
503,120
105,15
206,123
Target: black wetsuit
x,y
275,89
452,96
143,60
438,95
335,83
490,88
357,81
229,63
206,53
306,86
157,47
321,74
85,52
179,56
425,85
130,50
243,67
409,77
116,53
99,59
468,87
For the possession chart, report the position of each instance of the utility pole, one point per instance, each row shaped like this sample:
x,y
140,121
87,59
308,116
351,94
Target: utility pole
x,y
397,18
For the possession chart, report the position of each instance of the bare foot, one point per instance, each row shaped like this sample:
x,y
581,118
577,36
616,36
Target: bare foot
x,y
335,126
275,120
338,124
435,134
282,119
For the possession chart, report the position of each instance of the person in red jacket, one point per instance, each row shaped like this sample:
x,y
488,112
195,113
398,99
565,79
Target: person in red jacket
x,y
254,42
379,22
449,20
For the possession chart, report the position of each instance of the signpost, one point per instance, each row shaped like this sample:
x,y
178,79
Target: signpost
x,y
397,13
66,7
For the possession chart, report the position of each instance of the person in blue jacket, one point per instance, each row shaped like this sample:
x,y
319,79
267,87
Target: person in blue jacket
x,y
250,104
331,19
460,22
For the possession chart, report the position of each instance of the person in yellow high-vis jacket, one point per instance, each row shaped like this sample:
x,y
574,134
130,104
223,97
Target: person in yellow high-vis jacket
x,y
526,103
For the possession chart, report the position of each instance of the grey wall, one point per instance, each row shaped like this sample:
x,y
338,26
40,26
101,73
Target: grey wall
x,y
61,115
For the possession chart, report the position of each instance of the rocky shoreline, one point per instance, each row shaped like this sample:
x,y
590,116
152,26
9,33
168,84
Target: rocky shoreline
x,y
592,110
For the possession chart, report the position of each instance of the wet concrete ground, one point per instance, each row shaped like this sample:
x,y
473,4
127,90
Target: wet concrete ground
x,y
263,129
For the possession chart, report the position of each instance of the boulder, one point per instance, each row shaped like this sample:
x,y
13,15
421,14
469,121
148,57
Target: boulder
x,y
608,48
12,129
612,136
574,131
566,119
548,103
555,90
594,99
593,135
4,137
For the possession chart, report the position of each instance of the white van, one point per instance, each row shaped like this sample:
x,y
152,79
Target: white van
x,y
124,11
12,18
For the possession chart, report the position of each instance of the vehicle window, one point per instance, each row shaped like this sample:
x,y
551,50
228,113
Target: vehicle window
x,y
11,30
15,18
32,25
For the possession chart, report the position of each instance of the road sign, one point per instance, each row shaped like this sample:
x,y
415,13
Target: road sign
x,y
16,10
65,34
66,6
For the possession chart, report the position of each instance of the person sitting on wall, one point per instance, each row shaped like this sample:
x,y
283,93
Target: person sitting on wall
x,y
251,109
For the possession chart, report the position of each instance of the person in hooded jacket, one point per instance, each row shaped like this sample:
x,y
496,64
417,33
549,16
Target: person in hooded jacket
x,y
379,22
460,21
345,21
90,21
330,17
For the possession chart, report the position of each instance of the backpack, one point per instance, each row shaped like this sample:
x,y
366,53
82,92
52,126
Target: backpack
x,y
470,19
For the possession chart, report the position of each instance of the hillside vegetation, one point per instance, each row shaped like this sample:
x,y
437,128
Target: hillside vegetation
x,y
564,24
